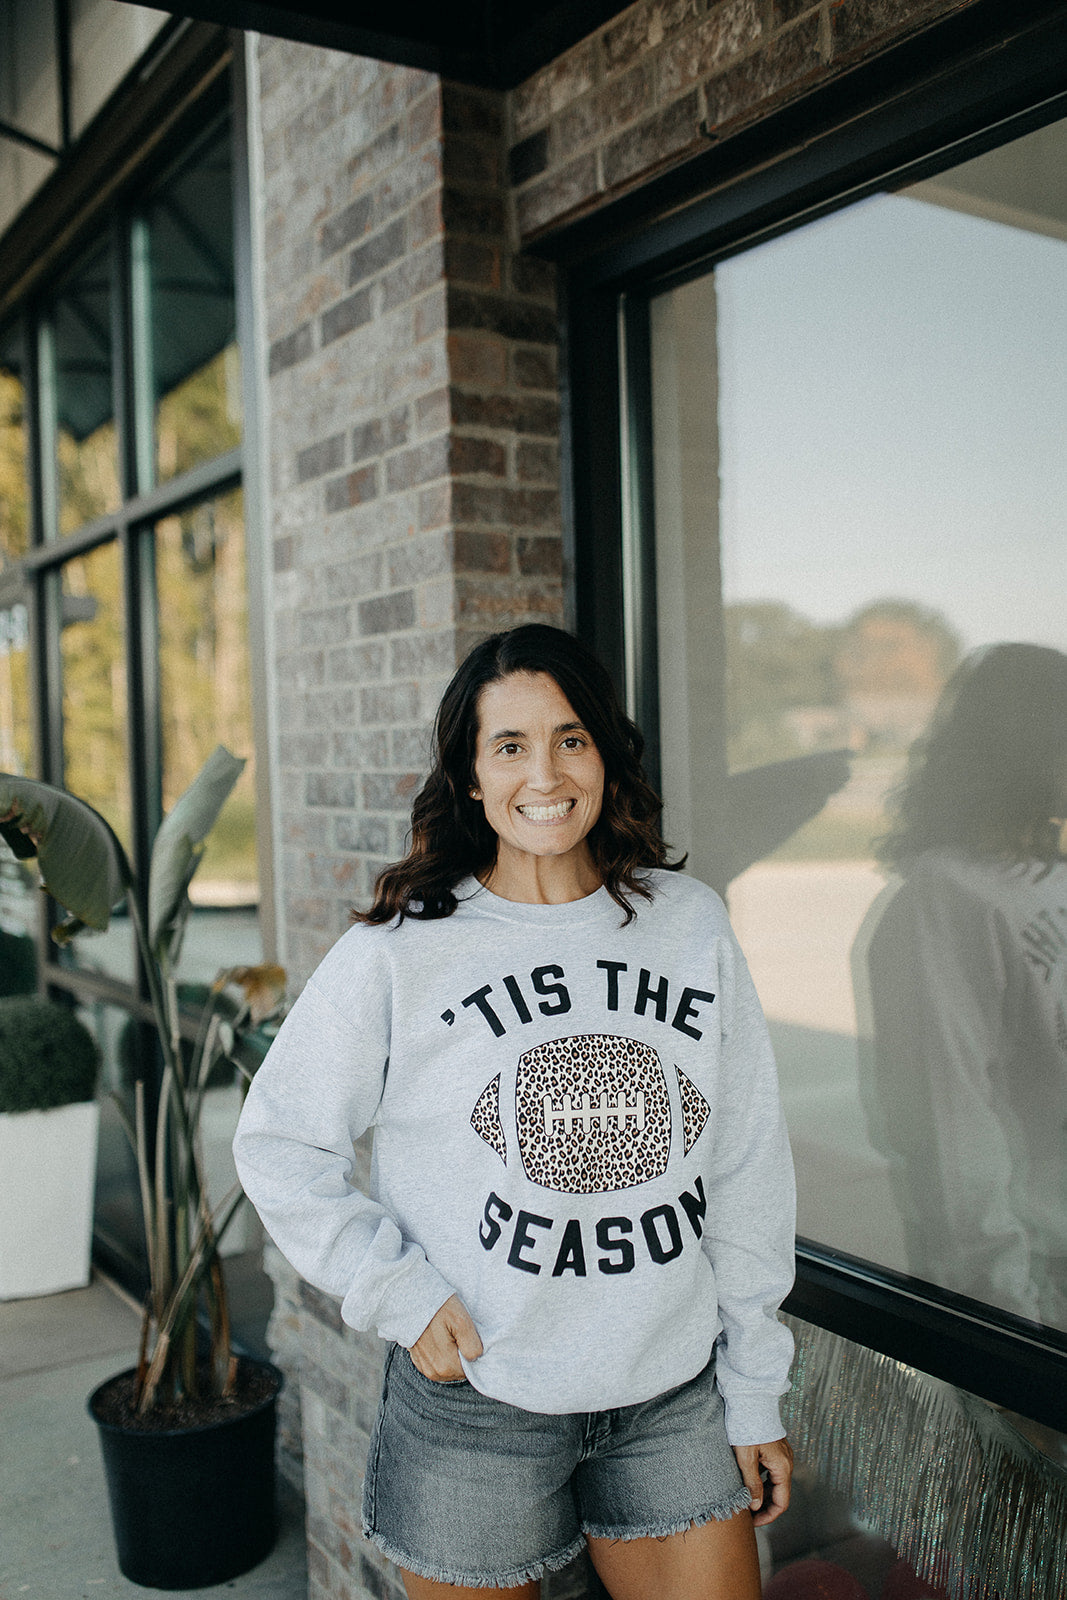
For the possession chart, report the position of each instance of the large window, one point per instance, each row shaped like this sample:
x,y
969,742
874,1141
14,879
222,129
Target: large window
x,y
831,583
124,618
876,456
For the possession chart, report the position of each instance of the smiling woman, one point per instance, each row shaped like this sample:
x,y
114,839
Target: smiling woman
x,y
541,780
581,1171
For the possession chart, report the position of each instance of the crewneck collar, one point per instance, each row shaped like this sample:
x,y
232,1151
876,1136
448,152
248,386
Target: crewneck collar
x,y
569,913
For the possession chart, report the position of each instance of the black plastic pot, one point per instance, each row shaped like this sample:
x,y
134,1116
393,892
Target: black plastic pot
x,y
192,1507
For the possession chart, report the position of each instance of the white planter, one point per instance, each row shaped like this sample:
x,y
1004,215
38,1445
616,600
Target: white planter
x,y
47,1177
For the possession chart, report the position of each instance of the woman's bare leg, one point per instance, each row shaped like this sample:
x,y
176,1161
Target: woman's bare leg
x,y
717,1561
430,1589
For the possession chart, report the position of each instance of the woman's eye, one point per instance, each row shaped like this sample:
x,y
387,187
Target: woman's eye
x,y
507,749
573,742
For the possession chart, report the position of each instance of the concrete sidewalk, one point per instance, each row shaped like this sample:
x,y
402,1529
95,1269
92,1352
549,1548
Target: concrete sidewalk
x,y
55,1531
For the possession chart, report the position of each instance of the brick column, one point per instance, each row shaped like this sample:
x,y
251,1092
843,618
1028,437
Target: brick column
x,y
413,432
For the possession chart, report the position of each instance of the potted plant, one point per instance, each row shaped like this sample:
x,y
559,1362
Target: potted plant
x,y
48,1122
188,1433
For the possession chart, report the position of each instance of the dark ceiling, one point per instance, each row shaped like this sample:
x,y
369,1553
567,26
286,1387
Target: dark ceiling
x,y
496,43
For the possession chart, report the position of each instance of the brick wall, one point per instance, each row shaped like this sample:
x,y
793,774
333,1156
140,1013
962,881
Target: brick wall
x,y
646,91
413,419
413,439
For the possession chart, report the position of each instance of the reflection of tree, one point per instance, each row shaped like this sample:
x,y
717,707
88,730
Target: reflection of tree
x,y
88,476
204,669
13,499
201,417
776,660
794,685
896,647
94,685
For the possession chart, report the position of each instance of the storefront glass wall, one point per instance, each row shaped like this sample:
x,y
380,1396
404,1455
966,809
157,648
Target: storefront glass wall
x,y
860,466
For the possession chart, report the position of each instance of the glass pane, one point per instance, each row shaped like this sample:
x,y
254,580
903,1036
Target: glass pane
x,y
14,492
93,665
16,747
884,492
81,357
195,364
126,1056
206,700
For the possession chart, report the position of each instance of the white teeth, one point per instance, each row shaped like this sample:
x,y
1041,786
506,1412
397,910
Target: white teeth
x,y
546,813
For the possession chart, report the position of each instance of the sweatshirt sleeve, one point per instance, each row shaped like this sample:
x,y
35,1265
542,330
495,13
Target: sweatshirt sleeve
x,y
317,1091
750,1236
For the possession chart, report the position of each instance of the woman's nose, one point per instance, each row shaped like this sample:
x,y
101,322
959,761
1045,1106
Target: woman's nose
x,y
544,770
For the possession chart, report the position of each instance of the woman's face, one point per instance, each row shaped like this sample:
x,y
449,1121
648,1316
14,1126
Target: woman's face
x,y
537,771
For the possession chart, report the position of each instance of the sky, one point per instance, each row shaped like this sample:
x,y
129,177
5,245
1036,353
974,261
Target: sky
x,y
893,419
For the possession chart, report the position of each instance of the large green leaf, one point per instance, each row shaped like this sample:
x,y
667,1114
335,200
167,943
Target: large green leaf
x,y
178,847
82,863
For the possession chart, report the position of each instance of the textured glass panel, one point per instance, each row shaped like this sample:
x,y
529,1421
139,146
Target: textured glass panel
x,y
195,365
14,489
861,458
206,700
93,664
81,355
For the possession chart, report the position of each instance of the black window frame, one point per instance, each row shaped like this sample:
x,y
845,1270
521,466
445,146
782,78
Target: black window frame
x,y
194,79
960,88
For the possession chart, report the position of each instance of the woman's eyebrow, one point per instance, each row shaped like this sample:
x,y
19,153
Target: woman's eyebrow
x,y
518,733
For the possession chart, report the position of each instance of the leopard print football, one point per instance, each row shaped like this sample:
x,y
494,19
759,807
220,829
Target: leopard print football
x,y
592,1114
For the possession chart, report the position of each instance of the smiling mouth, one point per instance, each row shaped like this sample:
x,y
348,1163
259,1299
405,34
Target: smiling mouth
x,y
554,813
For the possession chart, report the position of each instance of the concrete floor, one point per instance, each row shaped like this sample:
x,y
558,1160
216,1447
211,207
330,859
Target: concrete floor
x,y
55,1531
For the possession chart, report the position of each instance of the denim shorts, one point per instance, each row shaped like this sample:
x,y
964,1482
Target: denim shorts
x,y
471,1491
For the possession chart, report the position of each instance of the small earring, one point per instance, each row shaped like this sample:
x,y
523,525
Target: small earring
x,y
476,794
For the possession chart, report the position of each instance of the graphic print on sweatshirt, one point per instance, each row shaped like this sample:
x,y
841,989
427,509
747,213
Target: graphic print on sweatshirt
x,y
592,1114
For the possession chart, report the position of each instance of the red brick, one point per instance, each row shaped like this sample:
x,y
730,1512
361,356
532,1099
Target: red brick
x,y
537,463
476,357
481,552
643,28
861,26
470,261
743,91
641,149
476,455
728,31
424,120
354,489
535,367
551,198
540,558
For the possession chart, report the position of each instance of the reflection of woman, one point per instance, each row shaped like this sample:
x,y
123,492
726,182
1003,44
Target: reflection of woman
x,y
967,966
581,1178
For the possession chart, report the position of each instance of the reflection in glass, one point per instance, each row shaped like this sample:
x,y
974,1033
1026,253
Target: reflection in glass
x,y
206,700
14,496
16,748
80,354
195,363
860,475
126,1052
93,667
961,973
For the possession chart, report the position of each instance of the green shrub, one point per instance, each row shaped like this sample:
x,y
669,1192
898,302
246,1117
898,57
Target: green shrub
x,y
47,1057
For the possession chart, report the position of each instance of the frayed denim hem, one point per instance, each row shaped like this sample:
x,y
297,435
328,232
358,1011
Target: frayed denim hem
x,y
468,1580
740,1500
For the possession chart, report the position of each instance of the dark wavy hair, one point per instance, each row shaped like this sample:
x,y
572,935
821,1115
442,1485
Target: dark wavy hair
x,y
988,777
450,837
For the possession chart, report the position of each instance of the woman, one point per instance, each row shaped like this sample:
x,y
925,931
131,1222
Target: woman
x,y
581,1181
961,969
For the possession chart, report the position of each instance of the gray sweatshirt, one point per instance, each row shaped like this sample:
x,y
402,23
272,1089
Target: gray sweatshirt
x,y
576,1130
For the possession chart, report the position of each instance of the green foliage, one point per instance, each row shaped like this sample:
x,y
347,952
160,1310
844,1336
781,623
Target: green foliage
x,y
47,1057
87,871
18,964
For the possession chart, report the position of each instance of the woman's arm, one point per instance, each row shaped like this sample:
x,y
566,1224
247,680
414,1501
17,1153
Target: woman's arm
x,y
314,1096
